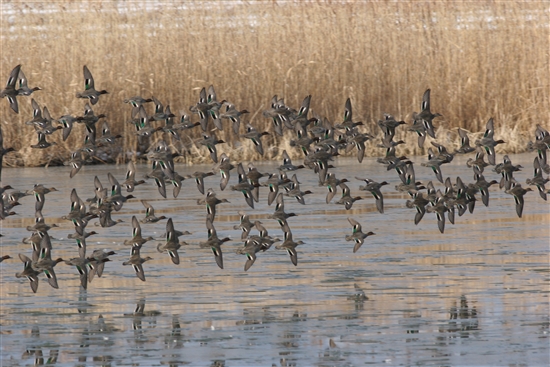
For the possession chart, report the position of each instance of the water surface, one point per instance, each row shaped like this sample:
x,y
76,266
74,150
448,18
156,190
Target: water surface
x,y
475,295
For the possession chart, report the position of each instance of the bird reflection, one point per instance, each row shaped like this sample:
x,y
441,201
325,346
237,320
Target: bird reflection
x,y
36,352
175,338
105,361
96,334
140,310
297,316
137,318
359,297
39,357
287,363
462,318
82,304
255,317
173,341
331,354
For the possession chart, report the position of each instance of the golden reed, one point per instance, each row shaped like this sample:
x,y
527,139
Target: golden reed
x,y
481,59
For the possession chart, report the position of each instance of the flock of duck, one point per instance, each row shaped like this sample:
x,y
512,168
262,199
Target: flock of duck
x,y
318,139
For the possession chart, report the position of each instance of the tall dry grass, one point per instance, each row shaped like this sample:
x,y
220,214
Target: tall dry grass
x,y
481,59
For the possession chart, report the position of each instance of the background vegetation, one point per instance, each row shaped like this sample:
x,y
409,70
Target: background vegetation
x,y
481,59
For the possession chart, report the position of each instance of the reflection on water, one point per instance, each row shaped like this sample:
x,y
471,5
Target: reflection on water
x,y
410,295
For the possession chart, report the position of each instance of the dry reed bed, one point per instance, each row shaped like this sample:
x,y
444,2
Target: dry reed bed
x,y
481,59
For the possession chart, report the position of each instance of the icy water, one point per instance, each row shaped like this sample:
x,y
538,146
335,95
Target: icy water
x,y
475,295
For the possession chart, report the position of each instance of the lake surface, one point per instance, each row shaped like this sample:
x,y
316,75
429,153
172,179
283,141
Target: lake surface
x,y
475,295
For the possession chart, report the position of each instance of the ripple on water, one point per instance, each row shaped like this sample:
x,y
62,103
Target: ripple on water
x,y
475,295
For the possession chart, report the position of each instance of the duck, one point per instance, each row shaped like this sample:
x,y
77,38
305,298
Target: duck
x,y
388,125
89,88
171,245
160,180
301,115
293,190
137,101
347,200
106,136
245,225
331,182
201,108
39,192
507,169
255,244
478,162
28,272
78,207
425,115
483,186
199,179
80,242
10,90
374,188
233,115
250,249
419,128
280,215
105,219
46,264
254,135
160,113
289,245
273,183
144,129
224,167
358,141
4,211
348,122
439,208
320,160
214,107
171,128
487,143
537,179
5,257
185,123
244,186
278,113
210,142
150,216
38,240
357,234
42,143
90,119
211,202
40,225
96,263
518,193
137,239
136,261
214,243
130,179
81,265
24,89
465,147
116,199
419,202
287,163
254,176
67,123
76,162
